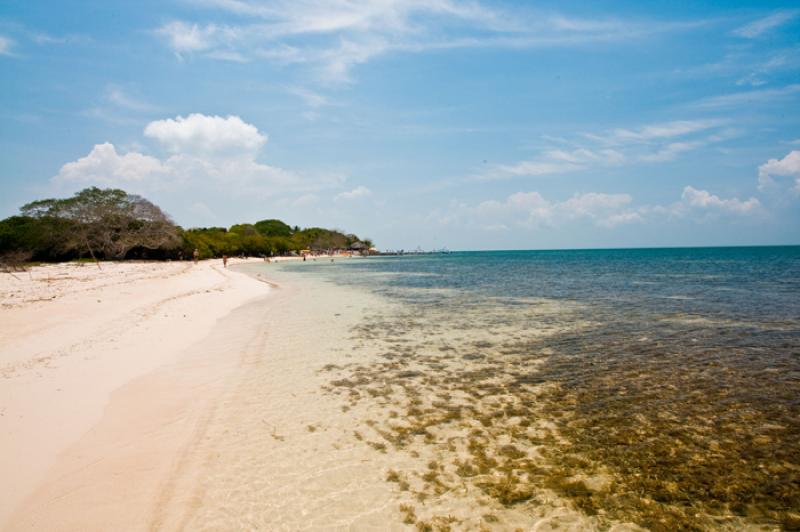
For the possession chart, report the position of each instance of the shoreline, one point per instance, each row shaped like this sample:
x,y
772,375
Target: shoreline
x,y
85,343
283,414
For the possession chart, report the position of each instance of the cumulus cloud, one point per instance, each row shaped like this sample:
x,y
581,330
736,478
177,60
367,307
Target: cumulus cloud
x,y
104,166
356,193
531,209
702,199
594,202
789,166
199,134
208,152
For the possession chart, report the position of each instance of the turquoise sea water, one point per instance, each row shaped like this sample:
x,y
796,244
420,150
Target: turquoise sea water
x,y
675,373
752,283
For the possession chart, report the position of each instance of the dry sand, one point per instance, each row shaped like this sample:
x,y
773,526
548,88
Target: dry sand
x,y
103,374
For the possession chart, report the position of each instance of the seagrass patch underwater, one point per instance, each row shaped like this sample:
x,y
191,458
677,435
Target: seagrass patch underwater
x,y
654,387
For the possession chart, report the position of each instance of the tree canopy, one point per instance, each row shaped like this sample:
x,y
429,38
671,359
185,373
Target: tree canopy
x,y
273,228
112,224
108,222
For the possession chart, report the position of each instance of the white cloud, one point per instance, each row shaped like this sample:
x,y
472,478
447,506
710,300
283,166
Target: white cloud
x,y
750,66
45,39
703,199
557,162
530,168
233,176
228,55
311,98
526,200
671,151
649,143
782,61
530,209
346,33
184,37
207,135
337,62
357,193
118,96
104,166
583,156
649,132
295,17
749,97
789,166
210,153
613,220
594,202
306,200
5,45
762,25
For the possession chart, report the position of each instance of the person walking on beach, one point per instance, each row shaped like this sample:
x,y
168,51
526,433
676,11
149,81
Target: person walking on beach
x,y
195,255
225,261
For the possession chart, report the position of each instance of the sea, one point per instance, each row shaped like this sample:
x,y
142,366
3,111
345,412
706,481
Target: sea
x,y
658,388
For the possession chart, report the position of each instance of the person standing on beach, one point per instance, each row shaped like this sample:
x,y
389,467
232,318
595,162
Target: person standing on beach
x,y
225,261
195,255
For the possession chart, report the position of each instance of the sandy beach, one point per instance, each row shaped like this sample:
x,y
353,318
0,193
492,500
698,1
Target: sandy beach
x,y
105,374
173,396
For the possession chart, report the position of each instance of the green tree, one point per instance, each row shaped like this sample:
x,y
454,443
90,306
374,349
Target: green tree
x,y
45,238
273,228
110,222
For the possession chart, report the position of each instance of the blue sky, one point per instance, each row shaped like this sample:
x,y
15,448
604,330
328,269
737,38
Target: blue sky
x,y
467,125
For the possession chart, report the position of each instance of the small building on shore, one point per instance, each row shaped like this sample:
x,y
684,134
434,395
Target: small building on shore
x,y
359,247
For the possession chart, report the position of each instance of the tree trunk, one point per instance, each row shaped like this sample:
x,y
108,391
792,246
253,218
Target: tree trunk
x,y
91,252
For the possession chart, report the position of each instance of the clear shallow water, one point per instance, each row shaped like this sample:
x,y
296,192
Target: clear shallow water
x,y
756,283
659,387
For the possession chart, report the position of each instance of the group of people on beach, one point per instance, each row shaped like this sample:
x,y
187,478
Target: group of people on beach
x,y
196,258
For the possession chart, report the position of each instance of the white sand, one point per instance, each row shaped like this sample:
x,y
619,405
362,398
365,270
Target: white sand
x,y
79,345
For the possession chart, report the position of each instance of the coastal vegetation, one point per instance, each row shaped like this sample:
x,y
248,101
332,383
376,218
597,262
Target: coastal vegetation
x,y
112,224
